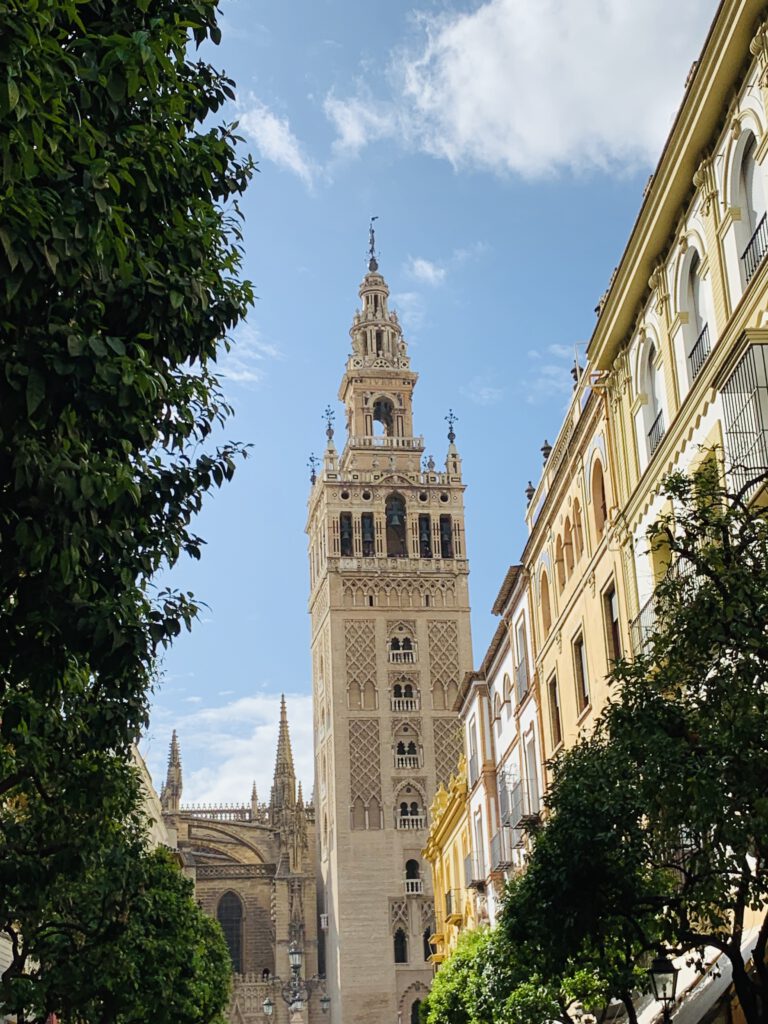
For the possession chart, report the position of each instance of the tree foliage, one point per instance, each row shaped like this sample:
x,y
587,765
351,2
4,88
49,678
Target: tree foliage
x,y
119,263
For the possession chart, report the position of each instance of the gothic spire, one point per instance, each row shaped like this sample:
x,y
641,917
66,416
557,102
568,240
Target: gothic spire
x,y
284,784
170,796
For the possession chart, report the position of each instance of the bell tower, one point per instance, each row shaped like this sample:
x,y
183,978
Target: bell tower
x,y
389,604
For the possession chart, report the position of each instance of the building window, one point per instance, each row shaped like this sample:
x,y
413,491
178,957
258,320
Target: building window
x,y
568,546
745,407
427,947
580,673
578,533
611,619
401,947
696,331
751,200
654,423
446,536
345,534
397,546
366,529
473,762
599,508
546,612
508,694
521,665
497,713
229,914
555,718
560,562
425,536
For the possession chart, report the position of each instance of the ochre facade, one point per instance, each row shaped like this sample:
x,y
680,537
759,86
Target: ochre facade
x,y
390,643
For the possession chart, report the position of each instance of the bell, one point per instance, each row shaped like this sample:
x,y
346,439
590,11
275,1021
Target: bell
x,y
346,529
395,514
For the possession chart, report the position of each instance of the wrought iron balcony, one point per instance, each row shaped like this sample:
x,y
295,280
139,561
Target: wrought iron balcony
x,y
474,872
699,352
656,433
745,408
521,680
473,772
757,247
414,886
501,857
524,804
453,906
642,625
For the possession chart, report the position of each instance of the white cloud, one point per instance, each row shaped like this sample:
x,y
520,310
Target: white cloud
x,y
550,373
425,270
532,88
234,744
480,391
359,121
244,363
410,309
275,141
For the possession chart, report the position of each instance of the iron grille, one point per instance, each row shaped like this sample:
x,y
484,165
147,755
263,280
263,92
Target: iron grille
x,y
755,250
230,917
745,407
656,433
699,352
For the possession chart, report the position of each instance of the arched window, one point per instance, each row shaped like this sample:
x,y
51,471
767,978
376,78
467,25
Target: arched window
x,y
568,546
508,694
383,414
368,535
599,508
425,536
414,809
412,869
345,534
401,947
403,810
427,946
446,537
397,691
497,712
411,749
397,546
753,240
578,530
546,611
652,385
560,562
229,914
358,813
401,747
415,1011
696,331
408,691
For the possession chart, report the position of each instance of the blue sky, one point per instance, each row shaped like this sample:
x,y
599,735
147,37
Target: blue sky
x,y
504,146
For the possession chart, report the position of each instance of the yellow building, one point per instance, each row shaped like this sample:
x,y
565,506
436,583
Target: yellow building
x,y
448,848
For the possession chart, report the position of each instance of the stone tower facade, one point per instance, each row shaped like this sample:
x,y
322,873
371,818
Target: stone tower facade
x,y
254,869
389,605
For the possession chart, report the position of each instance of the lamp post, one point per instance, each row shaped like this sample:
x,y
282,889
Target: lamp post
x,y
664,980
296,991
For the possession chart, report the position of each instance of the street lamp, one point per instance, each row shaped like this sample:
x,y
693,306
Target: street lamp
x,y
297,990
664,980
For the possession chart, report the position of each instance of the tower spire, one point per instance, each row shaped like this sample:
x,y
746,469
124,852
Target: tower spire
x,y
170,797
373,265
284,784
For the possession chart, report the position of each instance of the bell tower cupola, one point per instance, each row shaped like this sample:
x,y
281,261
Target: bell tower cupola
x,y
377,387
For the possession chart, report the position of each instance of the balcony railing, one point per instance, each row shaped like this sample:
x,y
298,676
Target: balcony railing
x,y
755,250
414,886
699,352
411,822
453,906
324,922
745,408
474,871
642,625
501,857
386,442
473,772
521,680
402,657
524,803
405,703
406,760
656,433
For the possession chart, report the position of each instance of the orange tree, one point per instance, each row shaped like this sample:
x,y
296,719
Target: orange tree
x,y
119,281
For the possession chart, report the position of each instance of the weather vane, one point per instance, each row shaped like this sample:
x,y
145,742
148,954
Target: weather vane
x,y
372,264
329,416
312,463
450,419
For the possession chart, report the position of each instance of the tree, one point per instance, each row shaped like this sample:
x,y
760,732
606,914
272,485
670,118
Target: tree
x,y
119,262
456,995
123,944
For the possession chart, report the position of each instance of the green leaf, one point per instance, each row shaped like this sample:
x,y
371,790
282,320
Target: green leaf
x,y
35,391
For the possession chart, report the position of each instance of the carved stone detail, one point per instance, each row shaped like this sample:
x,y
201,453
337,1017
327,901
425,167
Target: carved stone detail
x,y
449,742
